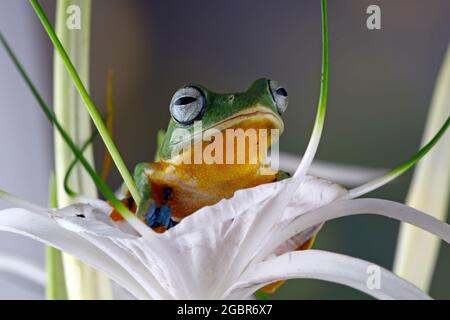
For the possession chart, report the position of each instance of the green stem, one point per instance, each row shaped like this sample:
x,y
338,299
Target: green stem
x,y
402,168
56,286
101,185
323,98
96,118
82,281
422,152
85,145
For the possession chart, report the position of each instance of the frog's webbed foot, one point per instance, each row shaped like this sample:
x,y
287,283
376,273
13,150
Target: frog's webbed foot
x,y
159,218
156,214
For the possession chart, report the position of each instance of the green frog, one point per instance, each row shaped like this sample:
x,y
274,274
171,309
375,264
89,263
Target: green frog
x,y
178,185
201,120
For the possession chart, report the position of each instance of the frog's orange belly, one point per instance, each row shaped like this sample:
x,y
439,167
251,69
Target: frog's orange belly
x,y
194,187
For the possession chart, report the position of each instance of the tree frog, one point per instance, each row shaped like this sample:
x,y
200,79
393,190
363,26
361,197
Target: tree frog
x,y
177,185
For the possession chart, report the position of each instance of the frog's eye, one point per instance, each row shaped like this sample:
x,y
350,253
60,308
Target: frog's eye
x,y
279,95
187,105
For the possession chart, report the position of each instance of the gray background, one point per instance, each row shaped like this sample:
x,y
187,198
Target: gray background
x,y
380,87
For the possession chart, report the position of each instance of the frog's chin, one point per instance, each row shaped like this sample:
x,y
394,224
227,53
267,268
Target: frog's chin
x,y
256,117
262,120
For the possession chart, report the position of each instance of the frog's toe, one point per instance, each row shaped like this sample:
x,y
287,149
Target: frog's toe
x,y
159,218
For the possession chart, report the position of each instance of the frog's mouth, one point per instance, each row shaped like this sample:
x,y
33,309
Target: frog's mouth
x,y
252,118
258,123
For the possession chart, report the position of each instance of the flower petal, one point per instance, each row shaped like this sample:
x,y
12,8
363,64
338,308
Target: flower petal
x,y
42,228
222,239
89,222
322,265
347,175
312,193
121,250
342,208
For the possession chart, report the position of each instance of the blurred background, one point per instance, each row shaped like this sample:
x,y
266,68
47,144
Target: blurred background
x,y
381,83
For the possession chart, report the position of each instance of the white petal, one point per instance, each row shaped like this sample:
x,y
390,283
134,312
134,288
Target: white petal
x,y
342,208
322,265
165,269
115,243
121,250
312,193
44,229
228,209
222,239
347,175
104,208
91,227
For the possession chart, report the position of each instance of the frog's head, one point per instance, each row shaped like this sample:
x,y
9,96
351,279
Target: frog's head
x,y
260,107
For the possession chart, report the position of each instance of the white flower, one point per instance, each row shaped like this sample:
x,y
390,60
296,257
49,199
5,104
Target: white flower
x,y
224,251
229,250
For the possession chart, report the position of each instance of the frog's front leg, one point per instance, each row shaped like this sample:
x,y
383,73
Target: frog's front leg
x,y
145,189
156,216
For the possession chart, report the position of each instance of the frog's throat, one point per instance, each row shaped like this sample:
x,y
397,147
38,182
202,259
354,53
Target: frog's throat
x,y
258,113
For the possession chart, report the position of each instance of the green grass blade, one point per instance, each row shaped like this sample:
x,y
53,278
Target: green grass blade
x,y
101,185
82,281
56,285
402,168
96,118
85,145
313,144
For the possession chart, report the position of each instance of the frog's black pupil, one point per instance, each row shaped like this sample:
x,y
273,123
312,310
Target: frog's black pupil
x,y
184,101
281,92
